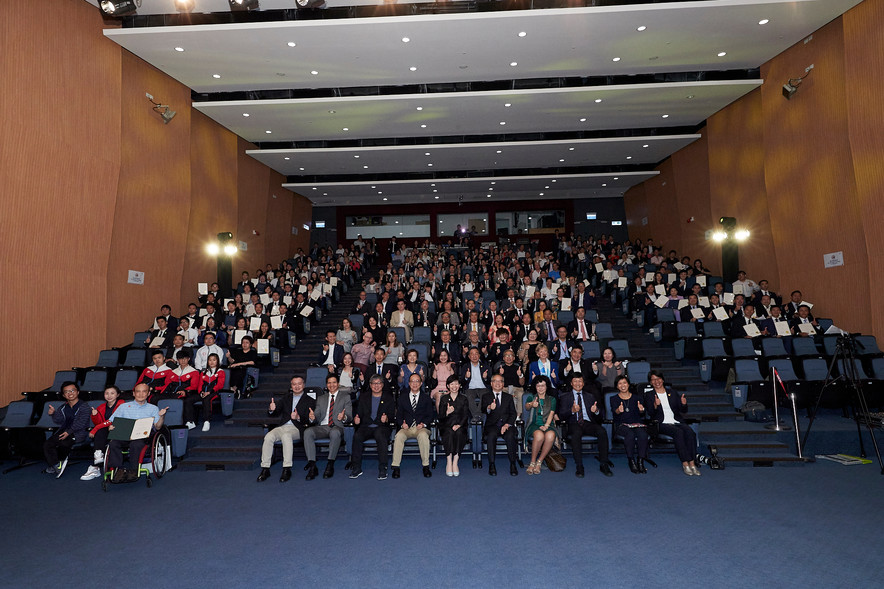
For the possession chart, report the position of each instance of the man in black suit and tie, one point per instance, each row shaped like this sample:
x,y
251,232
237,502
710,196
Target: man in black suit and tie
x,y
739,322
362,306
583,298
332,353
374,418
579,328
500,421
764,290
561,347
414,416
574,366
445,324
514,315
804,317
791,310
446,343
380,367
293,412
582,414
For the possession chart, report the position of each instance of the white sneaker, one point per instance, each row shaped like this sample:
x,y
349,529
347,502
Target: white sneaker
x,y
206,426
190,425
98,457
92,472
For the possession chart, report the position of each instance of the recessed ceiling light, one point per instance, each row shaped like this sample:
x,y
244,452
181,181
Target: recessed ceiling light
x,y
345,129
356,156
291,44
436,197
690,96
547,187
570,149
413,68
432,184
514,63
314,188
331,112
616,178
665,116
420,108
268,131
302,169
286,158
429,165
629,157
434,190
763,21
598,100
503,122
423,126
216,76
541,194
583,120
522,33
427,153
385,198
641,28
645,145
179,49
555,180
364,167
326,194
498,151
722,53
314,72
405,39
604,184
616,59
561,160
380,191
507,104
488,195
245,114
374,186
493,183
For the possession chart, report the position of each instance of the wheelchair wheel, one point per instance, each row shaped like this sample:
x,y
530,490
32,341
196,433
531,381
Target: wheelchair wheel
x,y
159,454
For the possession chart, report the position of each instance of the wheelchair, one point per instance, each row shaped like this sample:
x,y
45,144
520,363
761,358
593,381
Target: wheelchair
x,y
155,459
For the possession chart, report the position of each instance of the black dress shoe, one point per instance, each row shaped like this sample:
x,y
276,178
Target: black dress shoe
x,y
579,473
427,472
312,473
349,465
329,471
395,472
640,463
521,464
633,467
263,475
309,464
514,470
492,470
606,470
286,475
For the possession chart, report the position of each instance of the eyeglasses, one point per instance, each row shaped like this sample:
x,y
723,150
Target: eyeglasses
x,y
69,391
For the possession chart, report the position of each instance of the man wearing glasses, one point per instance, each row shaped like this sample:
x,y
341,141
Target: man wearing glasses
x,y
72,419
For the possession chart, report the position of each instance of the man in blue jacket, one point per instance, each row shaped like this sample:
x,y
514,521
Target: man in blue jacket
x,y
72,419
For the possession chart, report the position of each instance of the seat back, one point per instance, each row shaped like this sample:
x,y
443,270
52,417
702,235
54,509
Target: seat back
x,y
866,344
125,379
174,413
591,350
860,373
95,380
686,329
62,376
138,340
137,357
747,370
713,329
713,348
804,346
357,321
316,376
743,348
18,414
604,331
423,350
592,316
825,324
830,343
814,368
422,334
878,368
400,334
637,371
108,359
565,317
665,314
45,420
96,403
773,346
784,369
621,348
372,298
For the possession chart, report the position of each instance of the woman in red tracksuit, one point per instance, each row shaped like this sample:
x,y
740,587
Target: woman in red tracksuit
x,y
212,383
101,419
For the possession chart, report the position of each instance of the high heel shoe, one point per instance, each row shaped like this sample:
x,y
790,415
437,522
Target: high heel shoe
x,y
640,463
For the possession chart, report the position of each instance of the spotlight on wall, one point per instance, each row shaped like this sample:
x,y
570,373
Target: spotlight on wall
x,y
240,5
184,5
222,245
728,223
791,87
741,234
719,236
164,109
119,8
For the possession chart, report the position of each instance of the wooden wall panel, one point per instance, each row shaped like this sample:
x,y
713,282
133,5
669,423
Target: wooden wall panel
x,y
864,53
153,201
663,211
302,212
253,181
213,204
691,167
635,202
278,228
736,171
59,163
811,189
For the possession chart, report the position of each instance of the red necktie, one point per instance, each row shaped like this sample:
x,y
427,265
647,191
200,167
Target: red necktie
x,y
331,411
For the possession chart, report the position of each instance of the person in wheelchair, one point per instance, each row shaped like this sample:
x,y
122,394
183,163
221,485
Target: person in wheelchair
x,y
136,409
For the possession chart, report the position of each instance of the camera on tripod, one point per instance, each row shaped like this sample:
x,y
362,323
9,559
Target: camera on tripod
x,y
714,461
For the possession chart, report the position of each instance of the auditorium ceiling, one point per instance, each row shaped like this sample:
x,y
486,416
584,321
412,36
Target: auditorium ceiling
x,y
362,102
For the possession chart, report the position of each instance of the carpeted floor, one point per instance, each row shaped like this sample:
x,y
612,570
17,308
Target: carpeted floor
x,y
812,526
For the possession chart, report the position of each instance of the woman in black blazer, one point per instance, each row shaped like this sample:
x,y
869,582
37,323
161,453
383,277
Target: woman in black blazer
x,y
454,423
667,408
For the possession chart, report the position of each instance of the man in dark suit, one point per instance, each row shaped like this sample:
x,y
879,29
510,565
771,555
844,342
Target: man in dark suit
x,y
804,317
293,413
424,317
582,413
474,375
575,365
514,314
446,324
414,416
561,347
584,297
739,322
374,418
361,306
500,422
764,290
547,329
579,329
446,342
386,370
332,353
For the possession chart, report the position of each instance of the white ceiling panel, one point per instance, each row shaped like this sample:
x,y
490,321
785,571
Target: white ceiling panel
x,y
473,156
679,36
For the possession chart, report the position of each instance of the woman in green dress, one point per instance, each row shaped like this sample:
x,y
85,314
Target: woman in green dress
x,y
541,430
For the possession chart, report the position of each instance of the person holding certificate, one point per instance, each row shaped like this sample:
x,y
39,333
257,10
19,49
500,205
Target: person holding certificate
x,y
239,361
137,409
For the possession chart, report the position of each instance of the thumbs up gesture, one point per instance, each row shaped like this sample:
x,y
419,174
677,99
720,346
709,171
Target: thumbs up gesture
x,y
51,410
450,410
641,407
595,407
341,415
468,375
294,415
620,408
501,370
94,411
493,405
356,419
575,408
684,400
312,415
656,401
272,404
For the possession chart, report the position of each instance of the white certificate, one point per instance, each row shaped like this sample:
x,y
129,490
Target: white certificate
x,y
697,313
621,282
809,305
599,267
203,288
306,311
783,328
302,288
581,257
276,322
263,346
737,289
660,289
203,312
701,280
661,302
287,299
238,335
566,304
703,301
529,292
806,328
670,278
314,296
326,288
265,299
255,323
157,342
751,330
720,313
682,303
727,298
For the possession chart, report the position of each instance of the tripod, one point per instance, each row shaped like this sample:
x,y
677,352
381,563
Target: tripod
x,y
845,354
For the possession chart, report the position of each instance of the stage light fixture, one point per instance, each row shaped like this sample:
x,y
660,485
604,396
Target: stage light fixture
x,y
728,223
213,249
184,5
741,234
230,249
719,236
119,8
